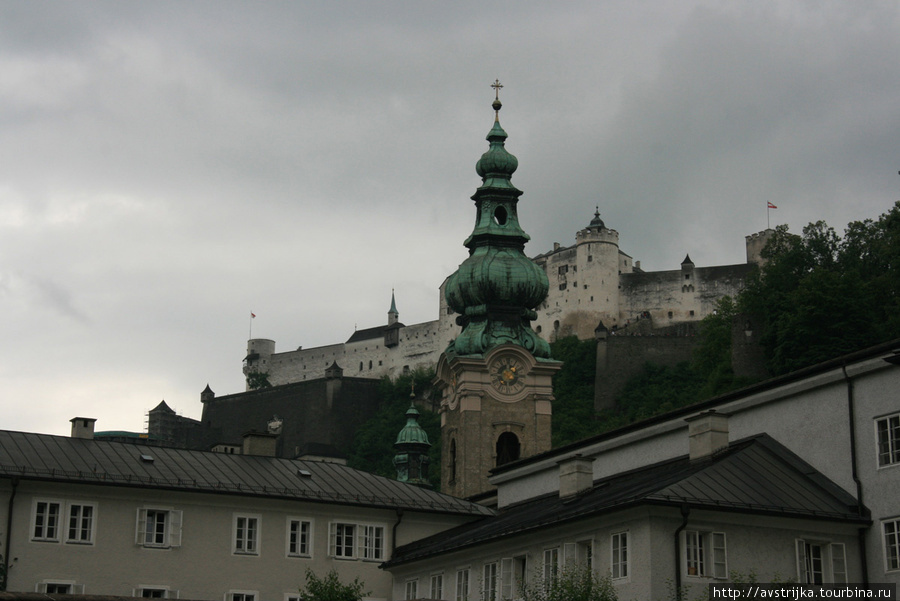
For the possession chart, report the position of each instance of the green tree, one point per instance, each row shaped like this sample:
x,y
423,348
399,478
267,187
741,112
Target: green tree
x,y
573,386
257,380
330,588
576,583
820,296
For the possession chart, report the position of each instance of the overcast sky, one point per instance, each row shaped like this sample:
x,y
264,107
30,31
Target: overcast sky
x,y
168,167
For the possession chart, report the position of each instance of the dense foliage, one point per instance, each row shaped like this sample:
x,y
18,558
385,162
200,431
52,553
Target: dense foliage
x,y
576,583
573,386
330,588
373,444
820,296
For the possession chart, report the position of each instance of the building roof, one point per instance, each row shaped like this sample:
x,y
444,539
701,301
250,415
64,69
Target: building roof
x,y
753,475
43,457
372,333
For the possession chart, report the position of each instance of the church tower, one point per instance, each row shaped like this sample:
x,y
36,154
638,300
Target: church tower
x,y
497,374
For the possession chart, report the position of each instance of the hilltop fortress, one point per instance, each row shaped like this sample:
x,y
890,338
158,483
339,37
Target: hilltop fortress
x,y
594,286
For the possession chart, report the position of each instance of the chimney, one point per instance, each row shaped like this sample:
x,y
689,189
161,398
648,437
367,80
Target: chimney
x,y
707,433
83,427
259,443
576,475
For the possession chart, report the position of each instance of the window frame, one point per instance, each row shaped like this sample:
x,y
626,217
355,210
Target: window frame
x,y
888,545
58,526
299,551
241,595
705,545
167,592
463,576
367,542
76,523
242,535
172,524
439,589
73,587
892,442
490,584
549,567
827,559
619,552
411,589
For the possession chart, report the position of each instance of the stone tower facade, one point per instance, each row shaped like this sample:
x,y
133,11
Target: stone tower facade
x,y
496,375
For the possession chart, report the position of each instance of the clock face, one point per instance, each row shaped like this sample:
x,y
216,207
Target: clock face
x,y
507,375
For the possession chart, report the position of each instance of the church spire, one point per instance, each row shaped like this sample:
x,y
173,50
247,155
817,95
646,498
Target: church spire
x,y
393,314
497,289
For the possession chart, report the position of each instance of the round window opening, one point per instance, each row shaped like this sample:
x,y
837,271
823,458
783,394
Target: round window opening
x,y
500,216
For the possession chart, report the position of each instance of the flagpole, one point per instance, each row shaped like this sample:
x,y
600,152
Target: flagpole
x,y
250,335
768,226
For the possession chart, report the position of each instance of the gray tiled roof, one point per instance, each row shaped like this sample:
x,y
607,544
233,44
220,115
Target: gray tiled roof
x,y
63,459
754,475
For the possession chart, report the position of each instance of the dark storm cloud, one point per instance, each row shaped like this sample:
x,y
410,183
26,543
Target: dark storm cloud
x,y
170,166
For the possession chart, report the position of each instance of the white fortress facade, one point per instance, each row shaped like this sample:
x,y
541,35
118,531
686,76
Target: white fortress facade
x,y
591,282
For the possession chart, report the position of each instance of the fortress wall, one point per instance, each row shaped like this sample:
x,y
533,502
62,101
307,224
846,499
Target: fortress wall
x,y
619,358
304,364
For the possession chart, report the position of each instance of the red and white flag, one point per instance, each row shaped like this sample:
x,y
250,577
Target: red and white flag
x,y
252,314
771,206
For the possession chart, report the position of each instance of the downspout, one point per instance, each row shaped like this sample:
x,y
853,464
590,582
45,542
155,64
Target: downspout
x,y
861,533
394,531
685,514
9,515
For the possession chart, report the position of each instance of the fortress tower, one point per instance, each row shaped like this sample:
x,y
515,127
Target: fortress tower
x,y
496,375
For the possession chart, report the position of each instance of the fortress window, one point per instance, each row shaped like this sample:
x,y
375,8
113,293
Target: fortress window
x,y
670,315
562,286
360,366
370,362
563,269
692,313
590,258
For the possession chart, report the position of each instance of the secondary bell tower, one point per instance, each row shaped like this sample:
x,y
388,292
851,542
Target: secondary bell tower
x,y
497,374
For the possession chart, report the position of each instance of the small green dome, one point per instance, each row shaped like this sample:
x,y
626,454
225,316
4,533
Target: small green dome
x,y
412,432
497,162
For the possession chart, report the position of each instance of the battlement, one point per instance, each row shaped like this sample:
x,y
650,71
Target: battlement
x,y
755,243
591,234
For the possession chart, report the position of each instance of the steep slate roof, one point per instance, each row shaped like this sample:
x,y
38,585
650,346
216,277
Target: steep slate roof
x,y
61,459
372,333
754,475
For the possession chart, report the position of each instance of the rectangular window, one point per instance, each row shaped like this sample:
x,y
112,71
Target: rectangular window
x,y
241,596
246,537
888,430
46,521
437,586
299,536
705,554
551,567
81,524
372,543
892,544
489,582
154,592
412,589
619,554
342,540
159,528
462,585
820,562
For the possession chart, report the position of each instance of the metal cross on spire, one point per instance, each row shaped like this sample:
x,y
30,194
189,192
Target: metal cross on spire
x,y
497,104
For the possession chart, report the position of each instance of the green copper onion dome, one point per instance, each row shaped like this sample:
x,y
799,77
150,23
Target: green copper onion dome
x,y
412,432
497,289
